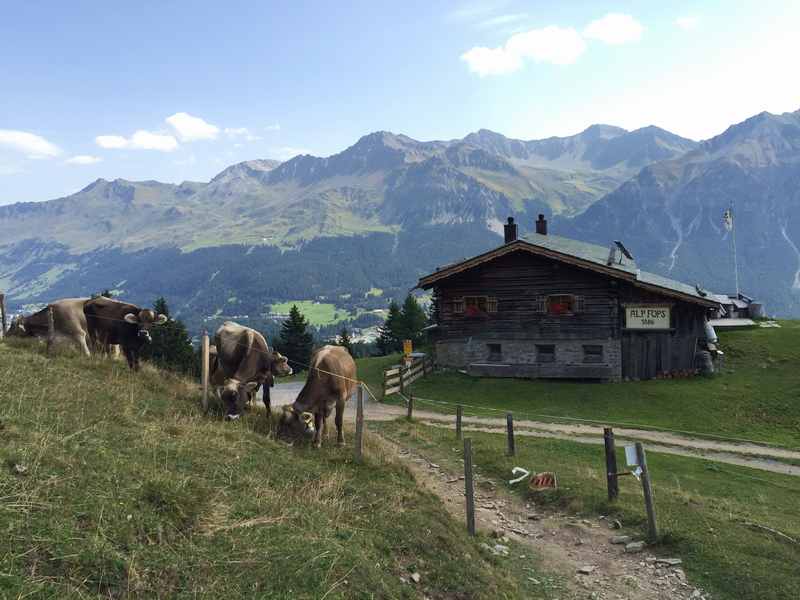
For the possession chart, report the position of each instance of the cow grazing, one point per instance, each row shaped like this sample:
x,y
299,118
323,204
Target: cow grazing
x,y
331,381
113,322
69,323
244,362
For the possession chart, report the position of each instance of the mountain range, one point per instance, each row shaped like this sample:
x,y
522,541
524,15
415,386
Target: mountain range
x,y
390,208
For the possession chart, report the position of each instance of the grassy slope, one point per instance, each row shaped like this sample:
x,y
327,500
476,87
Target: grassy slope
x,y
317,313
699,505
128,491
756,396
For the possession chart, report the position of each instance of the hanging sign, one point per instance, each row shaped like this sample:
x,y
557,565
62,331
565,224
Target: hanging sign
x,y
647,316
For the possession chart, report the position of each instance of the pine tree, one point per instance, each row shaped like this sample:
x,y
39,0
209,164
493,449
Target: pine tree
x,y
344,340
413,320
170,347
388,334
296,342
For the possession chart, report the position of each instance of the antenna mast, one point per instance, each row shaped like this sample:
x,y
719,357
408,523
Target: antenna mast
x,y
735,260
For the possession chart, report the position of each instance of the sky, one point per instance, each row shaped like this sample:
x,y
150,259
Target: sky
x,y
175,91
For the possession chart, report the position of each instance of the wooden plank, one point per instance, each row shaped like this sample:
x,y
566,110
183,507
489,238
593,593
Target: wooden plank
x,y
392,382
410,380
392,390
390,372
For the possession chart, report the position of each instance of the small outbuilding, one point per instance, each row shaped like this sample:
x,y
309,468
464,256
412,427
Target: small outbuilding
x,y
545,306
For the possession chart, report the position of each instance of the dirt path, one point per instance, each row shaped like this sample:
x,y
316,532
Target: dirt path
x,y
578,550
765,458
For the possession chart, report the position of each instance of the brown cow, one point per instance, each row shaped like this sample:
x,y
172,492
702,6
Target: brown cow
x,y
113,322
331,380
244,362
69,323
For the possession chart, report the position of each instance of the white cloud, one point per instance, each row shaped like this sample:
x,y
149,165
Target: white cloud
x,y
687,23
501,20
111,142
273,127
614,28
140,140
190,128
552,44
34,146
83,159
241,133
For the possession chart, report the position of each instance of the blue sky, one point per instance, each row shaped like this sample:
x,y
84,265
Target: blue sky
x,y
178,90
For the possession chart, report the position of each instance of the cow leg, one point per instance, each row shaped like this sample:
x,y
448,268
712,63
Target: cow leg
x,y
130,356
319,424
339,419
83,345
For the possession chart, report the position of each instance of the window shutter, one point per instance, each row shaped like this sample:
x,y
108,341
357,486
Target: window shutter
x,y
541,305
458,306
491,305
580,304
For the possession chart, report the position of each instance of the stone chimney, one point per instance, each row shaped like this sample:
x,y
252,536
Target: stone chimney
x,y
510,230
541,225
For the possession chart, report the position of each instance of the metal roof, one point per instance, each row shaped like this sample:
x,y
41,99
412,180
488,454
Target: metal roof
x,y
581,254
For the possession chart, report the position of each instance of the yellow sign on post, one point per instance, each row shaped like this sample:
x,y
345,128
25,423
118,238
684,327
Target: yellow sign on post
x,y
407,348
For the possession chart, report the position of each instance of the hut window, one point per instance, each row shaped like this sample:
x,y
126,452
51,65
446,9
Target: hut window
x,y
545,353
458,306
593,353
564,304
495,352
476,306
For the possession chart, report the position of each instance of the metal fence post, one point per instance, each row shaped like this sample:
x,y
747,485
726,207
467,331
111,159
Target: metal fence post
x,y
469,488
359,446
205,369
611,464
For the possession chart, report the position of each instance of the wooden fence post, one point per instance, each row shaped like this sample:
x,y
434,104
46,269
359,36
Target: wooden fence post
x,y
205,368
402,385
3,324
612,479
652,528
510,430
469,489
410,407
359,446
51,330
459,414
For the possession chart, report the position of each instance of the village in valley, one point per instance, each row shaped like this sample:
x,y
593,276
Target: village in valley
x,y
554,366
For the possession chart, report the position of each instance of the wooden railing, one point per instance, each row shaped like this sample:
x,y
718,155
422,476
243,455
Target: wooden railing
x,y
398,377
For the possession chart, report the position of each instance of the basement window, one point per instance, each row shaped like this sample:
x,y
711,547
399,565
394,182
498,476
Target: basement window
x,y
593,353
545,353
495,352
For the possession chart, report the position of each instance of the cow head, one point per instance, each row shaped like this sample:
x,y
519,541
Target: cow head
x,y
279,365
235,393
144,320
296,424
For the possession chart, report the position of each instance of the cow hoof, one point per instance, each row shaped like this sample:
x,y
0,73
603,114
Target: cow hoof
x,y
231,417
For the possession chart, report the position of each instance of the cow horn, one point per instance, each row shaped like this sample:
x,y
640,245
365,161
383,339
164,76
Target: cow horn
x,y
160,320
131,318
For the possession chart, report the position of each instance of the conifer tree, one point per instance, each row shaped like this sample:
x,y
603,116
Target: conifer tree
x,y
388,340
296,342
344,340
170,347
413,320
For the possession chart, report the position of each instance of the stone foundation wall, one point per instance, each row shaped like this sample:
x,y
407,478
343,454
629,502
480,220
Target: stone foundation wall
x,y
519,358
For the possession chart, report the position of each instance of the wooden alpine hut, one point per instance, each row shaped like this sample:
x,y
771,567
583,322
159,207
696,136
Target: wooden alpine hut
x,y
545,306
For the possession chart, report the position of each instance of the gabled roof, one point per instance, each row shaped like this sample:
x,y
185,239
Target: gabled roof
x,y
583,255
